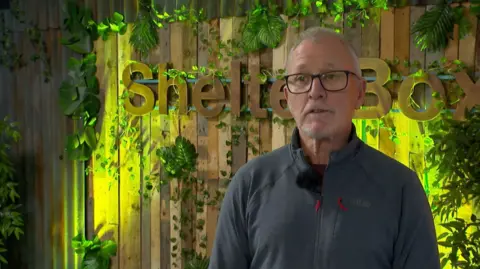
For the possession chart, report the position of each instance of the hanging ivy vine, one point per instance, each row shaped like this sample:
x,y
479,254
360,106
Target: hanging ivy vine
x,y
10,56
264,28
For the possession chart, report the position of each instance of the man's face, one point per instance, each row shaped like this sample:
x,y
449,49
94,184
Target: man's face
x,y
319,113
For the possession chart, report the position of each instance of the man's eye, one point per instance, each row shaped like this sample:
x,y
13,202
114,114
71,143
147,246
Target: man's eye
x,y
300,78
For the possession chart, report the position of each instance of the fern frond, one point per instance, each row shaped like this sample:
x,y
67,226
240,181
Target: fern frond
x,y
434,27
144,34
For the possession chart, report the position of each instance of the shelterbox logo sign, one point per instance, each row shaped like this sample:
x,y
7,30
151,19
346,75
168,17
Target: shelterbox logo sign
x,y
217,94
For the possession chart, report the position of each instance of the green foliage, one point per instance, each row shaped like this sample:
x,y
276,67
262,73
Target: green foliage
x,y
475,7
197,262
96,253
435,27
115,25
78,94
79,29
79,100
263,29
144,35
455,155
11,221
10,56
463,241
180,159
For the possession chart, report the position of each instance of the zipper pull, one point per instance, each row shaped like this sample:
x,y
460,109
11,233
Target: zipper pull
x,y
340,204
318,205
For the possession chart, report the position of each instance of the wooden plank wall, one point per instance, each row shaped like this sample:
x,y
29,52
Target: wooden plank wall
x,y
150,229
115,208
51,187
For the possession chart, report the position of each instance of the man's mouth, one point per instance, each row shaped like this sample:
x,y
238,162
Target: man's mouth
x,y
318,110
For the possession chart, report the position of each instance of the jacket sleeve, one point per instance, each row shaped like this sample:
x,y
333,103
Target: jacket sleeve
x,y
231,247
416,245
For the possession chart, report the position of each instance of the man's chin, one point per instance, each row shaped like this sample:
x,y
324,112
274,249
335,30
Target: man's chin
x,y
315,133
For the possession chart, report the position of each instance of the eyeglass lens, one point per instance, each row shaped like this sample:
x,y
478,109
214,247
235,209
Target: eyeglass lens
x,y
332,81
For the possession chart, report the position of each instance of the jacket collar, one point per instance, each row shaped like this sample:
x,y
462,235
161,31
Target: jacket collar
x,y
346,153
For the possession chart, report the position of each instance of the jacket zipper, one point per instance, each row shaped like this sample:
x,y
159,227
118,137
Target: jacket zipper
x,y
317,262
318,231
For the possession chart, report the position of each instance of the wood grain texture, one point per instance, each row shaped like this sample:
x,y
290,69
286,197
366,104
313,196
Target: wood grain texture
x,y
129,159
54,186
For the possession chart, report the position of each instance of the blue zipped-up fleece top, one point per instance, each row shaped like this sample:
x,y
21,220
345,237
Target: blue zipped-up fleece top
x,y
371,212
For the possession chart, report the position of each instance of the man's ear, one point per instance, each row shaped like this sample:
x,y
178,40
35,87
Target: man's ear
x,y
285,92
361,93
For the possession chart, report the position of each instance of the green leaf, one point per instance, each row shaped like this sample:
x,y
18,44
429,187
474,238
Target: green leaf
x,y
434,27
144,34
109,248
270,33
117,17
90,137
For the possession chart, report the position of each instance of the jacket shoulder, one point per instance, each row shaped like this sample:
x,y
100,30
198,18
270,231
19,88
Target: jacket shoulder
x,y
379,165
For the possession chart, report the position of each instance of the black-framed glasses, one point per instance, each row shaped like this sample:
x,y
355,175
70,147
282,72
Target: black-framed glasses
x,y
332,81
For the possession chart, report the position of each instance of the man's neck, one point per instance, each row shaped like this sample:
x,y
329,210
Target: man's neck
x,y
318,151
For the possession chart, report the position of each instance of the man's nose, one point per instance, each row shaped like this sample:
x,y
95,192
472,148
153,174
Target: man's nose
x,y
317,90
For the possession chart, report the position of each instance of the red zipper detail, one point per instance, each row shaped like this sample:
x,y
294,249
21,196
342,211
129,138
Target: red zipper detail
x,y
340,204
317,206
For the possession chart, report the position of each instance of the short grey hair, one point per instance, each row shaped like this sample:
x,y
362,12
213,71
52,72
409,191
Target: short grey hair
x,y
315,34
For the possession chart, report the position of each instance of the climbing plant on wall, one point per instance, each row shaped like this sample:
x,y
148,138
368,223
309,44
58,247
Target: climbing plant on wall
x,y
264,28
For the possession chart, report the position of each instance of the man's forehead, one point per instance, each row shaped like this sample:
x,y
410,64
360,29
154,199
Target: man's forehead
x,y
305,63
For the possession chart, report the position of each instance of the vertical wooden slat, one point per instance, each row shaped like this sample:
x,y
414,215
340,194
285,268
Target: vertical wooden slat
x,y
451,51
279,59
202,149
188,129
253,127
67,172
38,204
176,52
213,153
417,56
353,34
477,51
431,57
165,190
226,156
54,10
46,109
159,245
104,195
130,227
175,206
37,148
467,44
239,127
402,52
292,35
130,8
145,202
386,52
265,126
23,150
370,48
416,132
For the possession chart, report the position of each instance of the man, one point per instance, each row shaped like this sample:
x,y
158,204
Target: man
x,y
326,200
